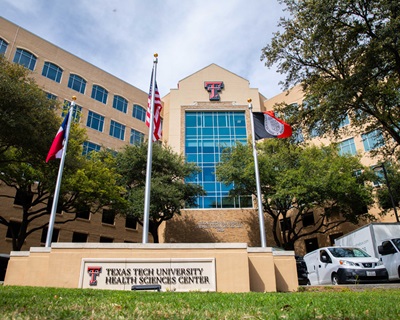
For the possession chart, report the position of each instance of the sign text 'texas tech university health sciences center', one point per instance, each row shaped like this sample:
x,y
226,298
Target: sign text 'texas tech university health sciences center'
x,y
171,274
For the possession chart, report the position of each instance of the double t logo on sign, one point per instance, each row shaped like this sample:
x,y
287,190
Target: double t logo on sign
x,y
214,87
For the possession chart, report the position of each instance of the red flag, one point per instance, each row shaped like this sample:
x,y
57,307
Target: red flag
x,y
157,133
58,142
266,125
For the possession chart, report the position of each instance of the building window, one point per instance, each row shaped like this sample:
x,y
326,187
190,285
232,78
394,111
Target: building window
x,y
79,237
83,213
298,136
99,94
206,135
308,219
95,121
77,83
76,113
52,71
106,239
372,140
89,147
13,229
50,206
136,137
347,147
345,122
131,222
108,216
3,46
139,112
333,237
23,198
117,130
285,224
25,58
311,244
54,236
120,104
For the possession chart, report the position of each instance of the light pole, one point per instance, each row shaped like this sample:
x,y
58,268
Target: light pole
x,y
382,165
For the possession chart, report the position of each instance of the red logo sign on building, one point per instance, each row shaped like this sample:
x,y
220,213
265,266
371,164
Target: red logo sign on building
x,y
213,87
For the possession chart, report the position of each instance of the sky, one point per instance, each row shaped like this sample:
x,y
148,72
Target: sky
x,y
121,36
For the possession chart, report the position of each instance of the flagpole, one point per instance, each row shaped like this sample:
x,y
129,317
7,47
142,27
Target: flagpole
x,y
59,176
259,199
146,216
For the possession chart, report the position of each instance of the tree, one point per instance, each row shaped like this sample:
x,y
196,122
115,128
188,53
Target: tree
x,y
26,119
345,54
169,193
296,180
87,184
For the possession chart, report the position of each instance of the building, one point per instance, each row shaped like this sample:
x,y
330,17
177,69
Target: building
x,y
205,113
111,110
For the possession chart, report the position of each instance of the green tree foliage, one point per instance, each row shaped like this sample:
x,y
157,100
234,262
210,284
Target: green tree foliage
x,y
346,56
28,125
25,118
169,193
296,180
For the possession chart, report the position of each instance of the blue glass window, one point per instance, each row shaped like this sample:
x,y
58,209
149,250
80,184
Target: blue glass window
x,y
52,71
95,121
117,130
51,96
120,104
139,112
136,137
99,93
345,122
206,135
77,83
76,113
89,147
25,58
347,147
3,46
372,140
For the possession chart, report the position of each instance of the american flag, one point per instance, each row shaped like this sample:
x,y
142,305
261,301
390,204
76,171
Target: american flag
x,y
157,110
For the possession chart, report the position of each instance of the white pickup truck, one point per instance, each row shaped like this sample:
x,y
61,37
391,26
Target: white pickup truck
x,y
380,240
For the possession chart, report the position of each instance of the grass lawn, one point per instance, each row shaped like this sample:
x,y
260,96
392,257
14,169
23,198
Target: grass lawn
x,y
328,303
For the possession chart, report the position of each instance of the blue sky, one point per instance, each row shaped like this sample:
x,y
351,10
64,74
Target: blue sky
x,y
121,36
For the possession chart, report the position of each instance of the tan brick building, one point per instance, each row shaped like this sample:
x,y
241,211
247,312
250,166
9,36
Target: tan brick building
x,y
205,113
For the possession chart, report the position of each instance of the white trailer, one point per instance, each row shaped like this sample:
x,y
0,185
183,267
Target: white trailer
x,y
380,240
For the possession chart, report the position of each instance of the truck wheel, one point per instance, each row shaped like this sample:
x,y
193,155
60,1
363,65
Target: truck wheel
x,y
335,279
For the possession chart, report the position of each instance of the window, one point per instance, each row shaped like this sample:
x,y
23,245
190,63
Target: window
x,y
372,140
77,83
3,46
285,224
131,222
136,137
13,229
120,104
347,147
139,112
308,219
76,113
23,198
99,94
311,244
345,122
95,121
334,236
106,239
25,58
50,206
51,96
298,136
54,236
117,130
83,213
89,147
52,71
108,216
207,133
79,237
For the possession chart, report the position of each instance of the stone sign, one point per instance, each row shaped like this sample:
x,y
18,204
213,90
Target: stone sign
x,y
172,274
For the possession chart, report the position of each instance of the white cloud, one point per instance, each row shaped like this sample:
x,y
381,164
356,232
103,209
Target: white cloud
x,y
121,36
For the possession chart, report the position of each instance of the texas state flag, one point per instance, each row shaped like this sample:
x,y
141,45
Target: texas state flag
x,y
58,142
